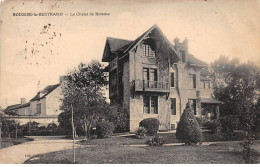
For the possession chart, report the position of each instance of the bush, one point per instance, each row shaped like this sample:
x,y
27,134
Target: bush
x,y
151,125
199,121
229,124
156,141
188,130
104,129
140,133
213,125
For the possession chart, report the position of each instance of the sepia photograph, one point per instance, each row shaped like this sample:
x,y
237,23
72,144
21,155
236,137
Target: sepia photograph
x,y
129,82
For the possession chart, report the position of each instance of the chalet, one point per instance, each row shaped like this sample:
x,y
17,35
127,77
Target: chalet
x,y
154,79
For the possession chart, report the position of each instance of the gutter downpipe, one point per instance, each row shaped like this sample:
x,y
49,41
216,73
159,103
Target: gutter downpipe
x,y
177,84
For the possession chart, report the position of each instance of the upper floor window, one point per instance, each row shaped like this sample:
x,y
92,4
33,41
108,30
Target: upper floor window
x,y
38,108
205,84
172,80
193,81
183,58
147,51
173,106
150,77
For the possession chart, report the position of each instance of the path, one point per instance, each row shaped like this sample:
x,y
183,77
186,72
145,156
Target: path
x,y
17,154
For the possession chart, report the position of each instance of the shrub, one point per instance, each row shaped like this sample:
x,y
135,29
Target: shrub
x,y
199,121
213,125
188,130
104,129
151,125
156,141
140,133
229,124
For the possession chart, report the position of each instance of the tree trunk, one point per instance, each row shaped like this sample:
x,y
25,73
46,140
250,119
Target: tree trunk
x,y
73,134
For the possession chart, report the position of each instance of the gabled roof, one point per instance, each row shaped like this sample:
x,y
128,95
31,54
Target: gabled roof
x,y
47,90
116,43
123,46
11,107
194,61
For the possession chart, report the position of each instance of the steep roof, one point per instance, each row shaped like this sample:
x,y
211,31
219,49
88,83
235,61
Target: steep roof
x,y
123,46
11,107
47,90
116,43
194,61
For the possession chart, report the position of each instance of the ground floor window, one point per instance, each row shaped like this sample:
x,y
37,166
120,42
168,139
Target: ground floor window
x,y
173,106
150,104
193,105
38,108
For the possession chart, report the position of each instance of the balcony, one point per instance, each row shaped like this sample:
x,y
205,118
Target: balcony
x,y
151,86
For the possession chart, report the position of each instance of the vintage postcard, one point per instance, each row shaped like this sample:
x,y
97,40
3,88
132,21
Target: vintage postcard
x,y
129,82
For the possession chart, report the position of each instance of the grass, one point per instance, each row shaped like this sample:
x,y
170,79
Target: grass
x,y
116,150
7,142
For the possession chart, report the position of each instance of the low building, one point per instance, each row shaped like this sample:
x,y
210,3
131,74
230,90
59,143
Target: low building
x,y
44,107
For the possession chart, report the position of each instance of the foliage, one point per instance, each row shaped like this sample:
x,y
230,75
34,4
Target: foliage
x,y
52,126
188,130
213,125
82,91
120,117
249,155
235,84
199,120
151,125
9,128
140,132
156,141
104,129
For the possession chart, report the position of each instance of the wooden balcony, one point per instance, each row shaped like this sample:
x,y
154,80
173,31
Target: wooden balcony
x,y
151,86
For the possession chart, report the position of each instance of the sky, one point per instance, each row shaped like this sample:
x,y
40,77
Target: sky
x,y
36,50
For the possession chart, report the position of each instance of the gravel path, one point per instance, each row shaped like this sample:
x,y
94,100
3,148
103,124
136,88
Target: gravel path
x,y
17,154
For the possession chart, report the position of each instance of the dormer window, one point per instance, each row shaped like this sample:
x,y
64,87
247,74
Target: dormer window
x,y
147,51
183,57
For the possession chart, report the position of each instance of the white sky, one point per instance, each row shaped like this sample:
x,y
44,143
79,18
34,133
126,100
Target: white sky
x,y
213,28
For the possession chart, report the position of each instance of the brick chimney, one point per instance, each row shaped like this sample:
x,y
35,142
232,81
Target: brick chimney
x,y
62,79
181,48
23,100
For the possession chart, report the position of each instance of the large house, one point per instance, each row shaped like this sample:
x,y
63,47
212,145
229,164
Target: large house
x,y
43,108
154,79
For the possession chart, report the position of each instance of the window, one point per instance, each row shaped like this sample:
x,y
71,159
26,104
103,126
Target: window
x,y
205,84
193,105
192,81
146,104
151,104
173,106
38,106
183,56
172,80
150,77
147,51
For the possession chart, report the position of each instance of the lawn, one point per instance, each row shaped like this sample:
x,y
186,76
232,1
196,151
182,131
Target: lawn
x,y
117,150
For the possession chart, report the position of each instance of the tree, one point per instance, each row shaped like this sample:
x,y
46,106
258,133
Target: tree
x,y
82,91
188,130
238,85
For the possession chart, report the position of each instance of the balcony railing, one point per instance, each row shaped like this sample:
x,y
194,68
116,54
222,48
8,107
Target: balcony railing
x,y
152,86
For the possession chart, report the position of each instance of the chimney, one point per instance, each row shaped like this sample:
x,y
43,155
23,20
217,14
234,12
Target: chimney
x,y
23,100
62,79
181,48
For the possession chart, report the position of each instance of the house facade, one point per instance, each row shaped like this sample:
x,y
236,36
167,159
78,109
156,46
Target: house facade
x,y
154,79
43,108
